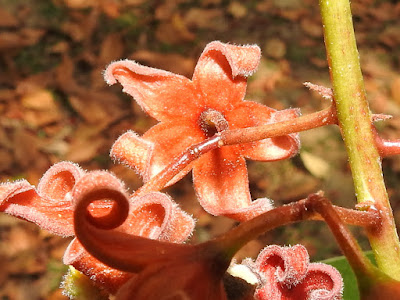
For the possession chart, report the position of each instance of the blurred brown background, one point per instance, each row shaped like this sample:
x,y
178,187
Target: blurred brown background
x,y
54,105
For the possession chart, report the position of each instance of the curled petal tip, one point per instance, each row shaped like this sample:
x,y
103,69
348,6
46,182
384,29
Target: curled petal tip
x,y
97,180
59,180
133,151
10,189
157,216
289,275
243,60
323,282
290,263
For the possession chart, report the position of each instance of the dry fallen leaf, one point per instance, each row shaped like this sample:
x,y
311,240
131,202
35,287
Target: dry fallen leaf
x,y
111,49
237,10
7,19
85,143
40,108
205,19
395,89
312,27
315,164
6,160
25,147
174,31
274,48
97,107
22,38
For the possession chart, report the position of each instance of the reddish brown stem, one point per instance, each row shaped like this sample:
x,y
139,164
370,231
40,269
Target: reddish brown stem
x,y
345,239
387,147
251,134
366,219
192,153
305,209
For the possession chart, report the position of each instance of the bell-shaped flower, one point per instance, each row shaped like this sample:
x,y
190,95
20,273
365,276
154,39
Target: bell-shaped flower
x,y
288,275
189,111
51,206
163,270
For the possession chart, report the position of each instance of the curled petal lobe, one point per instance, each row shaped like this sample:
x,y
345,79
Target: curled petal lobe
x,y
100,188
323,282
8,190
50,205
289,276
163,95
288,264
157,216
220,74
134,151
59,180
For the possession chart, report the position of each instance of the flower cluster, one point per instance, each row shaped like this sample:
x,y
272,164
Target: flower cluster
x,y
51,206
134,245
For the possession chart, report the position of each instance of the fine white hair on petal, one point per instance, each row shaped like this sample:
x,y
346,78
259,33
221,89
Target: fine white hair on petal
x,y
243,60
133,151
134,67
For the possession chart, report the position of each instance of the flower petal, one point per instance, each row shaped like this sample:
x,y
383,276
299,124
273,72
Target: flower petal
x,y
59,180
50,205
170,139
134,151
222,187
249,114
289,276
220,74
286,265
106,277
163,95
221,182
191,278
323,282
157,216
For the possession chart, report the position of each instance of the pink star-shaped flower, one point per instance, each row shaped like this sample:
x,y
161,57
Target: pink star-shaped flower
x,y
51,206
288,275
189,111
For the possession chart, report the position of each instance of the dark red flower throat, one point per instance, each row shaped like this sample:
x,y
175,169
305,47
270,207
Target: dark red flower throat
x,y
212,121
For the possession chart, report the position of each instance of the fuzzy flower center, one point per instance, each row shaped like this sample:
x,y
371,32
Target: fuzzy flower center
x,y
212,121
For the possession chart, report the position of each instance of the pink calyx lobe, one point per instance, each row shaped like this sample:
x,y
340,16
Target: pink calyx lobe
x,y
289,275
189,111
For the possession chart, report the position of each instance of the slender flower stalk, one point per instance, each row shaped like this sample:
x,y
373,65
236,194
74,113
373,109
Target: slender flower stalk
x,y
387,147
305,209
354,119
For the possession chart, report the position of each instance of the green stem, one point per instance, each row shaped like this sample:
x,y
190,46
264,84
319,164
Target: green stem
x,y
354,119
